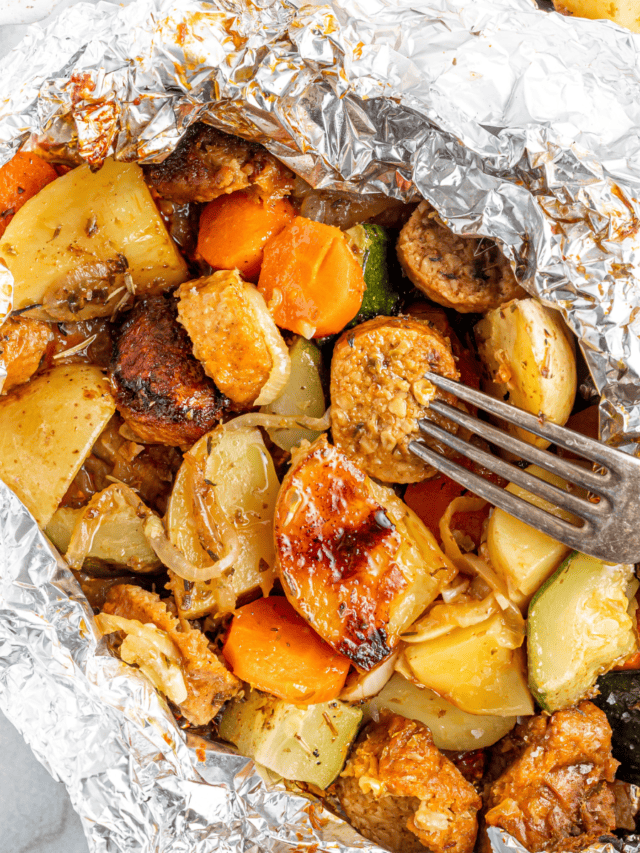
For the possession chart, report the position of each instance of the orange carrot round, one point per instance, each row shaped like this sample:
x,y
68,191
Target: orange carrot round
x,y
273,649
311,279
20,179
234,229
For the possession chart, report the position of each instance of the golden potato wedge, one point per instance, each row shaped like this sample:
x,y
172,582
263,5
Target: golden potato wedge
x,y
83,241
623,12
47,429
529,360
353,559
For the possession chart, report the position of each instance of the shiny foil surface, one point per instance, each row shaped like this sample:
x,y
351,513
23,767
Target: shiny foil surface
x,y
516,124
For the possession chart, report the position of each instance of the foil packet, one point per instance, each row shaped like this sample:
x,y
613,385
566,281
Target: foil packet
x,y
515,124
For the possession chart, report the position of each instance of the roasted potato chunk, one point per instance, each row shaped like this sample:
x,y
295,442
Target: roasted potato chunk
x,y
400,791
378,394
354,560
464,273
161,390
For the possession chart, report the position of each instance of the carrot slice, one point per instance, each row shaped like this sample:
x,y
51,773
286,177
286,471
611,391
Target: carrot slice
x,y
273,649
234,229
311,279
20,179
430,499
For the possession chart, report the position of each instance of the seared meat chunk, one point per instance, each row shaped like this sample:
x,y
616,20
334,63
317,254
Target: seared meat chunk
x,y
23,342
558,784
160,389
464,273
227,334
378,394
209,684
401,792
208,163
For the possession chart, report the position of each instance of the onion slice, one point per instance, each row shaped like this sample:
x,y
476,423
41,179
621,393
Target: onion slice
x,y
264,419
280,361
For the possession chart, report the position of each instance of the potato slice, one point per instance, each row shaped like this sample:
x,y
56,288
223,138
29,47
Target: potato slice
x,y
524,556
450,727
85,236
623,12
47,429
354,560
476,668
235,464
530,361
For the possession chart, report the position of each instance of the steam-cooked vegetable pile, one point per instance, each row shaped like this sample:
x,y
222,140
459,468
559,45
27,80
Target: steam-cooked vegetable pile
x,y
214,430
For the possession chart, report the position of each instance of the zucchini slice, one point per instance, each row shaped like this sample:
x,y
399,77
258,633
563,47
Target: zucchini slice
x,y
369,244
619,698
308,744
579,626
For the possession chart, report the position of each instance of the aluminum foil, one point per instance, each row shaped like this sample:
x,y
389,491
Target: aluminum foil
x,y
516,124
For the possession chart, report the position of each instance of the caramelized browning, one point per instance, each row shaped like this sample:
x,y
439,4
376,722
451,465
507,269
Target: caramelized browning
x,y
337,552
208,163
23,343
209,683
400,791
558,782
161,390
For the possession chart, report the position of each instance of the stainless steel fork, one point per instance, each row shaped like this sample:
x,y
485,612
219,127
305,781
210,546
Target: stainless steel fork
x,y
608,525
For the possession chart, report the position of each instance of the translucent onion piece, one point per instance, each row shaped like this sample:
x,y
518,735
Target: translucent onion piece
x,y
363,685
255,419
175,560
443,618
281,363
152,650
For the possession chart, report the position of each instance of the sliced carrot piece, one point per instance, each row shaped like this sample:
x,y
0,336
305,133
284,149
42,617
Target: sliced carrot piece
x,y
20,179
311,279
234,229
272,648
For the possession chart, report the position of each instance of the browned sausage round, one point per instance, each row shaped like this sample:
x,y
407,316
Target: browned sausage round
x,y
464,273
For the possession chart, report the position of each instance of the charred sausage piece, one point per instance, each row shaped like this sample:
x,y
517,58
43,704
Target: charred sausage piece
x,y
401,792
464,273
558,782
208,163
161,390
378,394
23,343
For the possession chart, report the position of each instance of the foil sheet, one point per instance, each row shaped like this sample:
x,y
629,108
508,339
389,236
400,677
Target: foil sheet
x,y
516,124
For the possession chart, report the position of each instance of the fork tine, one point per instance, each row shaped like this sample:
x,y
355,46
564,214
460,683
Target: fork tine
x,y
591,449
553,526
548,491
599,483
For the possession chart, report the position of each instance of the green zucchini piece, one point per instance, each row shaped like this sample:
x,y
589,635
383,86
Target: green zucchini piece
x,y
578,627
619,698
369,244
302,395
308,744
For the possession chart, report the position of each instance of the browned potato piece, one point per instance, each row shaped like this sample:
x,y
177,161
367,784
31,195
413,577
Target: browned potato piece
x,y
400,791
22,344
209,684
353,559
378,394
464,273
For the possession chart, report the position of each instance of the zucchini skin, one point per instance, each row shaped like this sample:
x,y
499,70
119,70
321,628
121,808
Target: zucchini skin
x,y
379,297
619,698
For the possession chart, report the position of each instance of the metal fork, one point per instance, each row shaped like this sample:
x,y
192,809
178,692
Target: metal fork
x,y
608,528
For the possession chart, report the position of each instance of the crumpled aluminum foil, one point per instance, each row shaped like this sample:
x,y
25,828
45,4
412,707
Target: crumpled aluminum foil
x,y
516,124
